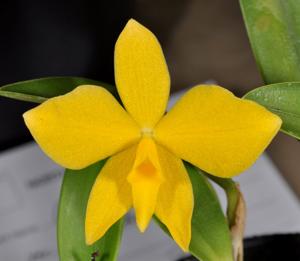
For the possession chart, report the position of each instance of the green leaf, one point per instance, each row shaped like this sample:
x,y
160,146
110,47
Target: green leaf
x,y
282,99
210,232
39,90
274,27
71,218
232,195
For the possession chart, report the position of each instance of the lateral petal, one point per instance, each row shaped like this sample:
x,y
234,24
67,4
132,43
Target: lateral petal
x,y
216,131
81,127
175,199
110,197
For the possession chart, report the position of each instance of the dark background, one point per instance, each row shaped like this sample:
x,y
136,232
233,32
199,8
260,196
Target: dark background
x,y
201,41
54,38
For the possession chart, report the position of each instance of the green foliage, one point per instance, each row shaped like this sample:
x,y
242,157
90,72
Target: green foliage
x,y
274,31
70,229
282,99
273,28
39,90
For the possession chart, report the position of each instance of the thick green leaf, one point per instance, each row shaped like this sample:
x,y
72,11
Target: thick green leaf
x,y
39,90
274,28
210,233
282,99
73,200
211,239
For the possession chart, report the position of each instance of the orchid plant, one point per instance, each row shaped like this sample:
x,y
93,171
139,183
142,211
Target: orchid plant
x,y
136,155
208,127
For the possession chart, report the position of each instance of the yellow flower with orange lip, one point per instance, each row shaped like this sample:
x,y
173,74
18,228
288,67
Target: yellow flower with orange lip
x,y
208,127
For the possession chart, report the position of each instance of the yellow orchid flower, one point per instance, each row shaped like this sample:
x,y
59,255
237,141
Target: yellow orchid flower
x,y
208,127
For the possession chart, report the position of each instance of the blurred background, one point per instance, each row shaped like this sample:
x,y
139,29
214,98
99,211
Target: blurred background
x,y
202,41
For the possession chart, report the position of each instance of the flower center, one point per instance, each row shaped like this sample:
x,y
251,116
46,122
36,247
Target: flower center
x,y
147,132
146,165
